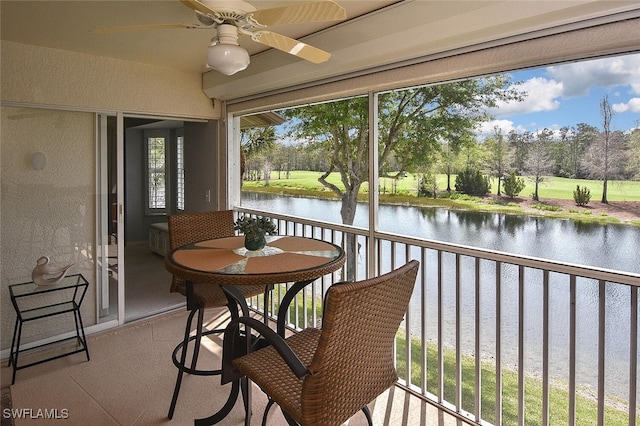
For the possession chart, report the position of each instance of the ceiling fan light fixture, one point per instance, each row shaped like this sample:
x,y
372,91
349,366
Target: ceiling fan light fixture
x,y
225,55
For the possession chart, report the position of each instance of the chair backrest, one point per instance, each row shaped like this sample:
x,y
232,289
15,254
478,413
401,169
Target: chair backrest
x,y
353,363
192,227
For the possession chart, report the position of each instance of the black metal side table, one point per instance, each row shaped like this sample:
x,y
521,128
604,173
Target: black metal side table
x,y
32,302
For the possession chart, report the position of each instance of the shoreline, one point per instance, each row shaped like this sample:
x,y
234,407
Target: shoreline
x,y
615,212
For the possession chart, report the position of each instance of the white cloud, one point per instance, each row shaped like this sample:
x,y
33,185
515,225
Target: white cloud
x,y
486,129
541,95
632,106
578,77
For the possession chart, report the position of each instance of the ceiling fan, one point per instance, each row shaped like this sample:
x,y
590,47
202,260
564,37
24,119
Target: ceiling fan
x,y
230,18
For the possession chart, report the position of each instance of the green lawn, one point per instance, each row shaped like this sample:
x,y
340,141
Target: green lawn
x,y
551,187
586,408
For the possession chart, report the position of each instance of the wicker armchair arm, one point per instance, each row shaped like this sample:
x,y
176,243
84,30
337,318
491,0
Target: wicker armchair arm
x,y
235,345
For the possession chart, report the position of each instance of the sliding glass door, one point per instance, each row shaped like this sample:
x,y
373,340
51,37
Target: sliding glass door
x,y
109,219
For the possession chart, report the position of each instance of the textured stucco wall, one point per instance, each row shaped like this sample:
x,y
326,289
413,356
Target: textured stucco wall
x,y
52,211
38,75
46,212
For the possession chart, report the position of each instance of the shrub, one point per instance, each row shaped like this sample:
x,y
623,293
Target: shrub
x,y
581,195
428,186
513,185
472,182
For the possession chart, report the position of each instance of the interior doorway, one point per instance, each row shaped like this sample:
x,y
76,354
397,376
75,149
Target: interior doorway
x,y
139,171
144,182
153,189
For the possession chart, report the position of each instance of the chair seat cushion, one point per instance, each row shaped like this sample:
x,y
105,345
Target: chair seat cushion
x,y
268,370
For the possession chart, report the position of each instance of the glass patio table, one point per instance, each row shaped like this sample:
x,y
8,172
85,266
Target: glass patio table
x,y
225,262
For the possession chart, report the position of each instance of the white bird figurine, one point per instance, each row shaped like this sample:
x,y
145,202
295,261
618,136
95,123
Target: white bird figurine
x,y
45,274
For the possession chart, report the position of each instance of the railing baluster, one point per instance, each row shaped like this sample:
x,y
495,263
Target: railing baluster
x,y
498,348
545,349
601,349
423,320
296,311
521,294
393,256
440,333
458,397
407,330
572,350
478,348
376,267
633,355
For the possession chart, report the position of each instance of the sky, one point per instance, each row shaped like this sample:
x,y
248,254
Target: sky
x,y
565,95
568,94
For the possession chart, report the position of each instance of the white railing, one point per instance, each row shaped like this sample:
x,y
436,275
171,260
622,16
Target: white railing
x,y
499,338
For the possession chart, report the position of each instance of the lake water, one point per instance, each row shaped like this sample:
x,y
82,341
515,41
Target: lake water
x,y
609,246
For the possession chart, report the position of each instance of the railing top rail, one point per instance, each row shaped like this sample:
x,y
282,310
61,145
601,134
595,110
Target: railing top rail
x,y
335,226
591,272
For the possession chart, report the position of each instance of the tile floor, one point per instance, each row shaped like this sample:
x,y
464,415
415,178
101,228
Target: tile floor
x,y
130,378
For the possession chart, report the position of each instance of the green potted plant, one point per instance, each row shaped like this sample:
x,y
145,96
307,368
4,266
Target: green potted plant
x,y
254,230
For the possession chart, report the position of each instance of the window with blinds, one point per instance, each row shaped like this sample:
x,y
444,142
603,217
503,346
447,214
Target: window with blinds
x,y
180,173
156,173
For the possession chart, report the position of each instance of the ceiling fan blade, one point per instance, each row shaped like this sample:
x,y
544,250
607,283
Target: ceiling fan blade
x,y
317,11
196,6
291,46
110,30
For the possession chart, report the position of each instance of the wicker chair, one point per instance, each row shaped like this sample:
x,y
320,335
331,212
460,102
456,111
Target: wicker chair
x,y
324,377
186,229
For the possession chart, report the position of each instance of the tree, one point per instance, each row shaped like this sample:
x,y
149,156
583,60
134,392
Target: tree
x,y
513,185
451,151
427,179
412,123
255,141
569,152
633,165
606,112
606,154
559,152
538,162
518,144
584,137
472,182
498,155
472,156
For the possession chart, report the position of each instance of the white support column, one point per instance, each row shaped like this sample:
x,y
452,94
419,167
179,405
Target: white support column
x,y
373,181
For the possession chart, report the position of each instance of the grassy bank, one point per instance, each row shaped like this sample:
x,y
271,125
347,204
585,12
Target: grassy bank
x,y
551,187
403,191
586,408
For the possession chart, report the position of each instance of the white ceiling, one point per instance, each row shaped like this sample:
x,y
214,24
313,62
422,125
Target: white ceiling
x,y
67,24
376,32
